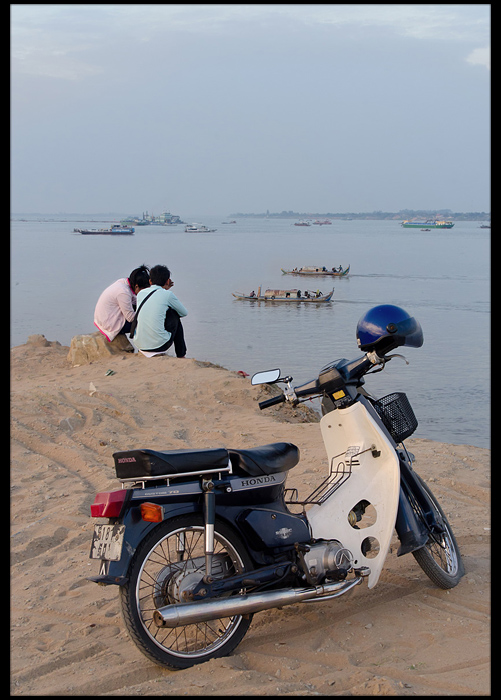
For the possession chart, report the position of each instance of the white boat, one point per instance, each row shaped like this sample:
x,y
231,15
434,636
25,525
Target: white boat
x,y
198,228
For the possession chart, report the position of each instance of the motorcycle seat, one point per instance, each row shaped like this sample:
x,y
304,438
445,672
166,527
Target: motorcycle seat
x,y
267,459
156,464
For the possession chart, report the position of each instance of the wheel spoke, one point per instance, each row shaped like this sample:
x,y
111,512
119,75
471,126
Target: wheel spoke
x,y
173,567
440,557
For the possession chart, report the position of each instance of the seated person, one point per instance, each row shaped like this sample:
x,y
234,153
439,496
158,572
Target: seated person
x,y
159,322
116,307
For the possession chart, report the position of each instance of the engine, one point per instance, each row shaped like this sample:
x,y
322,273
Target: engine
x,y
325,559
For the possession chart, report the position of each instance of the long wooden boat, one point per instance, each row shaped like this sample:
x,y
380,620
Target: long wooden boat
x,y
317,271
115,230
285,296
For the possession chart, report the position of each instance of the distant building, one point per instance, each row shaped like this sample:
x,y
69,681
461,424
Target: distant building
x,y
164,219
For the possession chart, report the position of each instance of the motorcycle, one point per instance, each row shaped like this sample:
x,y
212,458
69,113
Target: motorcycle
x,y
197,541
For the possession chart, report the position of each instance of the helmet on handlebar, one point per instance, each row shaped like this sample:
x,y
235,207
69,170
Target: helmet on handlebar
x,y
386,327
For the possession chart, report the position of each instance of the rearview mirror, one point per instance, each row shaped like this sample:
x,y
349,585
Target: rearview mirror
x,y
267,377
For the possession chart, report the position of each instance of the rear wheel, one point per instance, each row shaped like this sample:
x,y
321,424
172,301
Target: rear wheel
x,y
168,564
440,557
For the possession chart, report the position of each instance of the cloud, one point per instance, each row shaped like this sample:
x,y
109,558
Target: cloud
x,y
79,41
480,57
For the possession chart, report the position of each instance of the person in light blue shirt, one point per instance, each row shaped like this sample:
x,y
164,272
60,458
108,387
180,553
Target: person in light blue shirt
x,y
159,322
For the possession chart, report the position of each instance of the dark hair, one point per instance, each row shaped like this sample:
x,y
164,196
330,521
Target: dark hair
x,y
159,274
140,276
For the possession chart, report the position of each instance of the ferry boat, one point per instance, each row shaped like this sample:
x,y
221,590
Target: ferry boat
x,y
431,223
115,230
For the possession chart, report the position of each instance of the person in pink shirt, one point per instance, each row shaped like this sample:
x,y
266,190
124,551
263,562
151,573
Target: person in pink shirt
x,y
116,307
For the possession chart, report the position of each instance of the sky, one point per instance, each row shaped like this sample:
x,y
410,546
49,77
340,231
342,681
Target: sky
x,y
221,109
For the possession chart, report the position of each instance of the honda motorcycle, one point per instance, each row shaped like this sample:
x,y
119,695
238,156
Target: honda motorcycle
x,y
197,541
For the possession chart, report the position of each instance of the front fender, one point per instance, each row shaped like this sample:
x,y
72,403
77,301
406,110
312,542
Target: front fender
x,y
410,531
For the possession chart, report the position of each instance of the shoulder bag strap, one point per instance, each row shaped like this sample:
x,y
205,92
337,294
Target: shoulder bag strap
x,y
134,322
146,299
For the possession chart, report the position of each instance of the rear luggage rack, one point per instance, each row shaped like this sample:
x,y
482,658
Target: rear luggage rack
x,y
168,477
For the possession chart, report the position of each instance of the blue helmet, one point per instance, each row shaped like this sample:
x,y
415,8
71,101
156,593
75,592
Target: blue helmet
x,y
386,327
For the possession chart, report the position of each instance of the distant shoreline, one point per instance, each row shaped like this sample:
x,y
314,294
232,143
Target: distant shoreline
x,y
111,217
376,215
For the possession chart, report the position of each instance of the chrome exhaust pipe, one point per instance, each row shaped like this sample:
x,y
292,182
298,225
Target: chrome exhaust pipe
x,y
192,613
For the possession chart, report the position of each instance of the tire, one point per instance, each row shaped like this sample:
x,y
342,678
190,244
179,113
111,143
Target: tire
x,y
168,562
440,557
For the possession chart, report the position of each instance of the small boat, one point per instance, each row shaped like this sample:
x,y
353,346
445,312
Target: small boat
x,y
431,223
198,228
302,223
115,230
317,271
319,222
286,296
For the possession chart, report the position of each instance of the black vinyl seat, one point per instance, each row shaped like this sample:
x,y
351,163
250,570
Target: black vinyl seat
x,y
156,463
267,459
258,461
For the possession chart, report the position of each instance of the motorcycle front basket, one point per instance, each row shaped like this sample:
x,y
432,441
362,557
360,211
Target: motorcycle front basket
x,y
397,415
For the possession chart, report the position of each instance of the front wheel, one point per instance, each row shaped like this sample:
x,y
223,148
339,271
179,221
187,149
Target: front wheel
x,y
167,565
440,557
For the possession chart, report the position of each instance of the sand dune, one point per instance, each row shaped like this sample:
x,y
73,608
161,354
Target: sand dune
x,y
405,637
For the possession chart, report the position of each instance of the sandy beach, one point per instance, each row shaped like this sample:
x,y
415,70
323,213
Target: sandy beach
x,y
405,637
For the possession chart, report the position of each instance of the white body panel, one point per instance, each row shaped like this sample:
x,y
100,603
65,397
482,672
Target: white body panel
x,y
375,479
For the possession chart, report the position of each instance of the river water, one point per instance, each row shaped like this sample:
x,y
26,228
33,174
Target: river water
x,y
442,277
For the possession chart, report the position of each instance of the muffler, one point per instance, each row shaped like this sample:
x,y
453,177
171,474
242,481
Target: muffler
x,y
192,613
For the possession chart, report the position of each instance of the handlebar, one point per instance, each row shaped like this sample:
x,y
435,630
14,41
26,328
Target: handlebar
x,y
271,402
333,377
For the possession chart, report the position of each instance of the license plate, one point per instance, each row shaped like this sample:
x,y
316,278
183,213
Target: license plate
x,y
107,542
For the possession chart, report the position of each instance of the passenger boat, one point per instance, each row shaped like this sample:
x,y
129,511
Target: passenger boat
x,y
317,271
286,296
427,224
115,230
198,228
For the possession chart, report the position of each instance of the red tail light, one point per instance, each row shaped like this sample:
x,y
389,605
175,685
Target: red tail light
x,y
108,504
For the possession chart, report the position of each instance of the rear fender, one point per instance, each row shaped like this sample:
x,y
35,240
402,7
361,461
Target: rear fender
x,y
136,529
